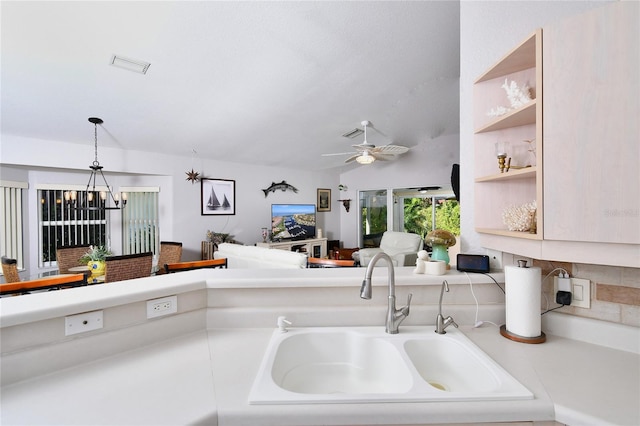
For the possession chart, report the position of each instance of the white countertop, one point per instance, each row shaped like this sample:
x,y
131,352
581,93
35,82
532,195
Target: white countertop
x,y
195,378
165,384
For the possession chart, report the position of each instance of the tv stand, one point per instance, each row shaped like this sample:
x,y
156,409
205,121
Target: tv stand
x,y
314,247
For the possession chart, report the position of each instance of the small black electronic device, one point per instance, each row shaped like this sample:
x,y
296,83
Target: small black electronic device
x,y
472,263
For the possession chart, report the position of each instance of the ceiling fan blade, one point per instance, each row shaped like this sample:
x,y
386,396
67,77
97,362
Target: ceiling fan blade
x,y
352,158
364,146
391,149
339,153
382,157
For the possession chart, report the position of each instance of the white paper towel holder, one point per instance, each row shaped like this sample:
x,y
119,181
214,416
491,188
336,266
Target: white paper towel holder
x,y
516,337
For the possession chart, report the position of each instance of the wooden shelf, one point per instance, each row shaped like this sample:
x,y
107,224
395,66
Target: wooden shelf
x,y
520,58
526,173
520,117
507,233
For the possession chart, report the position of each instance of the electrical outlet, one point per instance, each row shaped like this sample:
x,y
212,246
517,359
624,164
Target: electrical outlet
x,y
80,323
580,292
162,306
495,259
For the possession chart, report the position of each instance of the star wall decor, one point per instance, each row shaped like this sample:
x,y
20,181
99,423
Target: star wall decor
x,y
193,176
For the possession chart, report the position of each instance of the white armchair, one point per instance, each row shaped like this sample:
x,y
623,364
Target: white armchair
x,y
402,247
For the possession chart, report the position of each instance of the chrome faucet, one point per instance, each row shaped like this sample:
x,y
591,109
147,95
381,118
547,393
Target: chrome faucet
x,y
394,316
441,322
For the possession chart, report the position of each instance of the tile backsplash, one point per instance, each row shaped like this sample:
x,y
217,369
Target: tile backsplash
x,y
615,291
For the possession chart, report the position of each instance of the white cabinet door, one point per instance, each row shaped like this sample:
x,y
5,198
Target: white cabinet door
x,y
591,132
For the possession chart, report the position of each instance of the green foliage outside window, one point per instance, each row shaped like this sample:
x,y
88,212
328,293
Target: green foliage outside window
x,y
375,219
418,216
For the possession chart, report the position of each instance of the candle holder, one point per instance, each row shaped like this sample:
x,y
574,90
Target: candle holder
x,y
501,149
502,162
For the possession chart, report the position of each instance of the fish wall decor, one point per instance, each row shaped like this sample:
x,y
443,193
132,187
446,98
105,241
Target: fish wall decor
x,y
282,186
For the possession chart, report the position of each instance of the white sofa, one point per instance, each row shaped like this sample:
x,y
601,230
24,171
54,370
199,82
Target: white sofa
x,y
402,247
252,257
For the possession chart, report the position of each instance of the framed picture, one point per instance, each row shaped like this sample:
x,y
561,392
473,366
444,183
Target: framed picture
x,y
324,200
218,197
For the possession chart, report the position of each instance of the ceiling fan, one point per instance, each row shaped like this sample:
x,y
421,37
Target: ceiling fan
x,y
367,153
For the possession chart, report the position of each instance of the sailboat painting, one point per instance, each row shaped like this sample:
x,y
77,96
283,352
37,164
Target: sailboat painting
x,y
218,197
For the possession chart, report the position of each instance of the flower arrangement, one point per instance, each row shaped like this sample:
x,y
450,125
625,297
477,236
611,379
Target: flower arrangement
x,y
95,253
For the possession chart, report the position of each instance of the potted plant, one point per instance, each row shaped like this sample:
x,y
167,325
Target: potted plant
x,y
94,258
218,238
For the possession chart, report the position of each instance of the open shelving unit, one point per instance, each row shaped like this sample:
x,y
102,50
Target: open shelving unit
x,y
495,191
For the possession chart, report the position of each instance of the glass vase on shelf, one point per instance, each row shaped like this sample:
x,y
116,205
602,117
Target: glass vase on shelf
x,y
264,235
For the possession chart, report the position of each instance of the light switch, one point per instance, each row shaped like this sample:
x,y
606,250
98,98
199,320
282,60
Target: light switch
x,y
578,293
581,293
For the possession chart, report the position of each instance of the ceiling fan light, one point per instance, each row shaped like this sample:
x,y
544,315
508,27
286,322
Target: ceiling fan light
x,y
365,159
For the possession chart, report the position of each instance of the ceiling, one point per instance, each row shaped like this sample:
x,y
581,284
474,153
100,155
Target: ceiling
x,y
271,83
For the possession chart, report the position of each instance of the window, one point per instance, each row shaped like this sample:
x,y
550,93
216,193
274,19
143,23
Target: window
x,y
373,217
420,211
11,218
414,210
60,224
140,230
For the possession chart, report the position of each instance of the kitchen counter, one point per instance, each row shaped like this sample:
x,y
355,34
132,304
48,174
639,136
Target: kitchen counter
x,y
205,377
569,392
233,385
192,370
169,383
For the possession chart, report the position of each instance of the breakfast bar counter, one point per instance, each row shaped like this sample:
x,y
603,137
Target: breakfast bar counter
x,y
198,366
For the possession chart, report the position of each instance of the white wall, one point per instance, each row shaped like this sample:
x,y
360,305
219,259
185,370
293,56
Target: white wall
x,y
488,30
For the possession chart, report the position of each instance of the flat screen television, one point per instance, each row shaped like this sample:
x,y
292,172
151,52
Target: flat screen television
x,y
293,221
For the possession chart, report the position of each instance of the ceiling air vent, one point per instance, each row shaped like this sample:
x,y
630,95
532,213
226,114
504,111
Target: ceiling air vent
x,y
353,133
130,64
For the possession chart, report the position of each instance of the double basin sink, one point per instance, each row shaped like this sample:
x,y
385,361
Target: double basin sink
x,y
365,364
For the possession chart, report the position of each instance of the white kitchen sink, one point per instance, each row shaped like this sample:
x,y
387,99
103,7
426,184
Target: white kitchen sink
x,y
365,364
339,361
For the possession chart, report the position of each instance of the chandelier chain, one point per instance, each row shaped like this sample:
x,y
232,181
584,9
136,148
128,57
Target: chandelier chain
x,y
95,139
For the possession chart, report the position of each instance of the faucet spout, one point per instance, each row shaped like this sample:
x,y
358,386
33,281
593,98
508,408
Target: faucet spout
x,y
441,322
394,316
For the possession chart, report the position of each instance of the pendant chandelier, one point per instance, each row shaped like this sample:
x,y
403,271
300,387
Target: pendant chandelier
x,y
92,198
